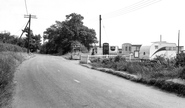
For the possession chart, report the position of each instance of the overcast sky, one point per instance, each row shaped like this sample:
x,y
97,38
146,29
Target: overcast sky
x,y
123,21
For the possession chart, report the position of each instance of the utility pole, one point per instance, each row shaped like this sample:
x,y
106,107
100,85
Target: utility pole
x,y
178,42
160,38
29,30
100,31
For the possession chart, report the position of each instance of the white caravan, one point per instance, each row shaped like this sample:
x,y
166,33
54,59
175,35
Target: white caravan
x,y
167,50
113,50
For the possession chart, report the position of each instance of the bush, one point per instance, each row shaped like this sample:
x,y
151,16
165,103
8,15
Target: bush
x,y
9,47
159,68
157,73
182,74
95,60
180,60
119,58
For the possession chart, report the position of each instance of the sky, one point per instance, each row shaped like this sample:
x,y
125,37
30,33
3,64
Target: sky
x,y
123,21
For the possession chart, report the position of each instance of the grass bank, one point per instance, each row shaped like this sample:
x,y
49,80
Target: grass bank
x,y
158,73
10,57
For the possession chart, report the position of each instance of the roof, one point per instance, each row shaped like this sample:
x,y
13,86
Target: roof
x,y
145,48
137,45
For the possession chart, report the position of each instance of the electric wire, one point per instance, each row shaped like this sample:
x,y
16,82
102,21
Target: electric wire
x,y
20,28
131,8
107,37
125,8
26,7
128,9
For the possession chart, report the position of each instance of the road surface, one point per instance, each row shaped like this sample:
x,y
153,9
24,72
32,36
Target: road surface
x,y
53,82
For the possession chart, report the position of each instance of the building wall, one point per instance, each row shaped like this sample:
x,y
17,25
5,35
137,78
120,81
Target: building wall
x,y
126,48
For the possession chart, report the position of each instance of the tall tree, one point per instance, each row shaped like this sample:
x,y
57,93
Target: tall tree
x,y
62,34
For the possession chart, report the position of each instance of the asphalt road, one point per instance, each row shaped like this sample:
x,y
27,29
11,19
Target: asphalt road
x,y
53,82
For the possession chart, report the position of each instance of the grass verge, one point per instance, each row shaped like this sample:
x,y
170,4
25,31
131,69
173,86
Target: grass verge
x,y
10,57
156,74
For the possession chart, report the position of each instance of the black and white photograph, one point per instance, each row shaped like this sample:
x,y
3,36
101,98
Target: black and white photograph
x,y
92,54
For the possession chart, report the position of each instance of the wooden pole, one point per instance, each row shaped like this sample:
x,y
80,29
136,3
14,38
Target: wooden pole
x,y
178,49
100,32
29,30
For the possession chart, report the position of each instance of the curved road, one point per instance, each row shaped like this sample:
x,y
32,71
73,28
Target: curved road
x,y
53,82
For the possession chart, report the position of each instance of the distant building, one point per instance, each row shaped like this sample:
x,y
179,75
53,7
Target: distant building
x,y
181,49
135,47
128,48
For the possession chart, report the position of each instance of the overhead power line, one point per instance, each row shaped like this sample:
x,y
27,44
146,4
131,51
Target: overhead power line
x,y
20,28
107,37
26,7
134,7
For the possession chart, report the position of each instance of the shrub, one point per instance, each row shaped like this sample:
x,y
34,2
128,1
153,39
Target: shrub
x,y
119,58
159,68
180,60
182,74
9,47
84,49
94,60
156,73
121,66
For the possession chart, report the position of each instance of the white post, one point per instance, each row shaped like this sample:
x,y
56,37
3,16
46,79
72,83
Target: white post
x,y
87,59
130,57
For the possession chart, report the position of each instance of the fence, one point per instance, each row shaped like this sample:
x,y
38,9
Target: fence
x,y
86,58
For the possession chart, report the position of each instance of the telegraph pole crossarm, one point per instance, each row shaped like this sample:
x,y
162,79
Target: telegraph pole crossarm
x,y
29,30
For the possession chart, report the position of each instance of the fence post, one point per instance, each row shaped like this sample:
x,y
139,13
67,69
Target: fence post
x,y
130,57
87,59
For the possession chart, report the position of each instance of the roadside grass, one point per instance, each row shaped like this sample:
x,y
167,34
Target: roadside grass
x,y
157,73
9,47
10,57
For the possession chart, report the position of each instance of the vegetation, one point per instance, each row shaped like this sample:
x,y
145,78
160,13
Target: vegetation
x,y
10,56
162,69
157,72
9,47
60,36
22,42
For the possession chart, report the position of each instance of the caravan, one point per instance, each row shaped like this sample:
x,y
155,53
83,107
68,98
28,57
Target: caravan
x,y
113,50
162,48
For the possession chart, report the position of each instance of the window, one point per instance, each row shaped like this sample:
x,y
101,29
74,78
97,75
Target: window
x,y
112,48
125,48
156,47
129,48
167,48
143,53
136,54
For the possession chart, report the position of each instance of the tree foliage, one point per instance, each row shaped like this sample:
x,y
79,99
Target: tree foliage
x,y
6,37
60,35
35,42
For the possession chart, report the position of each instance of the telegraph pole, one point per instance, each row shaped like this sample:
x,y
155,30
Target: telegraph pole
x,y
100,31
29,30
178,42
